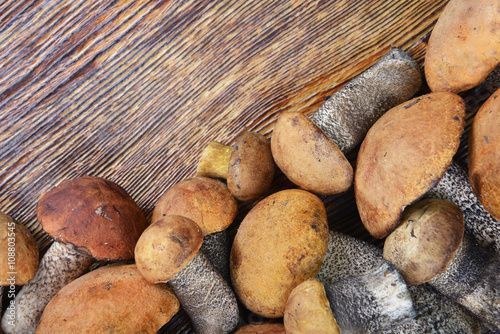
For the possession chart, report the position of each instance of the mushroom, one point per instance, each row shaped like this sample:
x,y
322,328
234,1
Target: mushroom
x,y
18,262
248,165
209,204
168,251
307,310
89,218
348,256
310,151
404,154
430,246
110,299
272,328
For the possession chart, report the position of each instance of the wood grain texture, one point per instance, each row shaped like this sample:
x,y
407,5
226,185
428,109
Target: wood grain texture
x,y
134,90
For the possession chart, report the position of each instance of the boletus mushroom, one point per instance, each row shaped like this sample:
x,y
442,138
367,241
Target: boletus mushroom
x,y
279,244
248,165
404,154
110,299
168,251
89,218
430,246
310,151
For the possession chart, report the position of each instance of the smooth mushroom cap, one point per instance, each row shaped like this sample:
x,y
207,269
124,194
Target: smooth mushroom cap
x,y
95,215
426,241
166,247
404,154
484,155
273,328
308,157
251,167
110,299
24,260
206,201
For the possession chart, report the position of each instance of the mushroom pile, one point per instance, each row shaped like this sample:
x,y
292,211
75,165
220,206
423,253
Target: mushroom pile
x,y
438,269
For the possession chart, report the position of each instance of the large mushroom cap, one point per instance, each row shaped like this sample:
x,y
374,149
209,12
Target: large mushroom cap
x,y
308,157
95,215
406,153
166,247
18,254
426,241
251,167
111,299
206,201
484,155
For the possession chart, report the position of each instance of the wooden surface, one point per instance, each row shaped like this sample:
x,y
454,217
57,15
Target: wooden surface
x,y
134,90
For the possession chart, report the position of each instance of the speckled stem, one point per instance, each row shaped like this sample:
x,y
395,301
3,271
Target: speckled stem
x,y
217,248
473,279
436,314
492,81
60,265
349,113
479,224
206,297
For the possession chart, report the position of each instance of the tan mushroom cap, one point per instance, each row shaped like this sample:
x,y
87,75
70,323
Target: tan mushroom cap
x,y
484,155
95,215
426,241
111,299
308,157
166,247
274,328
206,201
24,260
251,167
404,154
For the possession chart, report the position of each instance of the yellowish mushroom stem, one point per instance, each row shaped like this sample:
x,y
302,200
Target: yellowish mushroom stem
x,y
214,161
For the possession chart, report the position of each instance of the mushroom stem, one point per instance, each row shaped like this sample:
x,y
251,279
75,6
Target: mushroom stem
x,y
214,161
479,224
60,265
389,305
472,280
217,248
348,114
206,297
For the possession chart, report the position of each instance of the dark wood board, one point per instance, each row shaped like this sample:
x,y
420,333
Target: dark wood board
x,y
134,90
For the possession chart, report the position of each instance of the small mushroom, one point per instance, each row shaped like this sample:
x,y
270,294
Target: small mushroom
x,y
404,154
347,256
429,246
110,299
18,261
168,252
248,165
209,204
272,328
310,151
89,218
308,311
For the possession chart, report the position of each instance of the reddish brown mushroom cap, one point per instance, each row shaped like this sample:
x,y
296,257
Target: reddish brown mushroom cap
x,y
404,154
206,201
251,167
95,215
166,247
484,155
308,157
426,241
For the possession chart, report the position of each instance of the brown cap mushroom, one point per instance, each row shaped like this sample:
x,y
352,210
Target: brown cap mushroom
x,y
168,251
113,298
404,154
248,166
484,155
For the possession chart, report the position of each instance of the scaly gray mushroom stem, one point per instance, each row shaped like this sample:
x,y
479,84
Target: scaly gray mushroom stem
x,y
455,187
217,248
60,265
371,302
349,113
436,314
472,279
206,297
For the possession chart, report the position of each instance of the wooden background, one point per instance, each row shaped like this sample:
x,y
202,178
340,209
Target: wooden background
x,y
134,90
